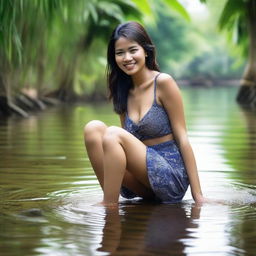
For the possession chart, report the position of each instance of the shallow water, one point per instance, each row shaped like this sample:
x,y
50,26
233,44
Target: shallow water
x,y
48,189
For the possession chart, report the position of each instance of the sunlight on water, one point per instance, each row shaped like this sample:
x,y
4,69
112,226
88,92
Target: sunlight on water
x,y
49,191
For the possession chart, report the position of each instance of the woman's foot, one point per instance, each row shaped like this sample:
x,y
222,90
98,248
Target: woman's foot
x,y
107,205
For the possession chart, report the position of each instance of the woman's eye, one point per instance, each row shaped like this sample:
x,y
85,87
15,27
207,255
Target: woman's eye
x,y
119,53
133,50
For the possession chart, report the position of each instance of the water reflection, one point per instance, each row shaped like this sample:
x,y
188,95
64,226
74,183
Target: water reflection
x,y
245,159
43,165
149,229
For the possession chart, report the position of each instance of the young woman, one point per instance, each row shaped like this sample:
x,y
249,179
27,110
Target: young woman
x,y
150,156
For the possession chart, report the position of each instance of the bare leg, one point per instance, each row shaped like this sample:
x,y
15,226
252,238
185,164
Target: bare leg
x,y
93,134
114,168
122,151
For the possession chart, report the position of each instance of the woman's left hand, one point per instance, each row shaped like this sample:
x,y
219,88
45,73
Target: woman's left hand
x,y
200,200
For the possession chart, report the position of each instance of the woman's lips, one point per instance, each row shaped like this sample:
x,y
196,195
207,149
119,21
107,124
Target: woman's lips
x,y
129,66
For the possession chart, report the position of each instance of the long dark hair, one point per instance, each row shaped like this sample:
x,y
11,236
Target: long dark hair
x,y
120,83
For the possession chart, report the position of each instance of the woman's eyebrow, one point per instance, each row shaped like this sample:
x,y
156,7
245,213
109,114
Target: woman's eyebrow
x,y
129,48
133,46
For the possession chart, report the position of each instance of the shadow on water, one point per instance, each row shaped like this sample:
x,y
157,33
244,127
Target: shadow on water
x,y
48,188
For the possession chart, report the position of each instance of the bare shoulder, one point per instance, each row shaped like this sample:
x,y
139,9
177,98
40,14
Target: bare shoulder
x,y
164,77
166,84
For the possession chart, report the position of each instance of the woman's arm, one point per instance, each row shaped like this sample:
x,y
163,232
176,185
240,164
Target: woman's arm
x,y
170,97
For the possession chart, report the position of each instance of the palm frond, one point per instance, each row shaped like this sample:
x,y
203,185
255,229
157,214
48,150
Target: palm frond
x,y
231,11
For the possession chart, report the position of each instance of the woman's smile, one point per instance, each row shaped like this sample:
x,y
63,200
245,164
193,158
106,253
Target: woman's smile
x,y
130,66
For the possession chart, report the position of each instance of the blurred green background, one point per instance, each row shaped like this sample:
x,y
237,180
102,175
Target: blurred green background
x,y
57,48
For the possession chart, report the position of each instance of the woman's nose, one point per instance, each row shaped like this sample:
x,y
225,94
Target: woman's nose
x,y
127,56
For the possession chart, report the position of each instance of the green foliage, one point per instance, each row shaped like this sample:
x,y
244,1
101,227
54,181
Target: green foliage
x,y
234,21
231,12
22,21
41,39
61,44
9,37
213,64
144,6
170,34
175,6
191,49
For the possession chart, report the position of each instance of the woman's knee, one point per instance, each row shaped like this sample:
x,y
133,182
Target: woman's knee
x,y
112,135
94,128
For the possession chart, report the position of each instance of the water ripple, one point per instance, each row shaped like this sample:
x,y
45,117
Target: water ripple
x,y
49,191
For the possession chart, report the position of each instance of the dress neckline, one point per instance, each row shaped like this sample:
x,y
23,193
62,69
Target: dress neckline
x,y
137,123
154,103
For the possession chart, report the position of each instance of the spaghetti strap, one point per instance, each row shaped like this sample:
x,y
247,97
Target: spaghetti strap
x,y
155,86
153,124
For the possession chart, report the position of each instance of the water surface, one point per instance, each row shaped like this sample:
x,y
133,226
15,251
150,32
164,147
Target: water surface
x,y
48,188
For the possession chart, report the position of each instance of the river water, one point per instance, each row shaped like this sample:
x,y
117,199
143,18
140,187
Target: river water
x,y
48,188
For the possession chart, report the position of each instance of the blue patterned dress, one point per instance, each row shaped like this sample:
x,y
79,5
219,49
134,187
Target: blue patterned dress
x,y
166,171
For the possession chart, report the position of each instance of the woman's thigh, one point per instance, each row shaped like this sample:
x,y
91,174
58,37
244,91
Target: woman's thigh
x,y
135,153
136,186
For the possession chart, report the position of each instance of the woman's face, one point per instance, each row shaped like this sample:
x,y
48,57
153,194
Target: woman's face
x,y
130,56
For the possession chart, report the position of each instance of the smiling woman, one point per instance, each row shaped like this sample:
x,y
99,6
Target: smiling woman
x,y
130,56
150,156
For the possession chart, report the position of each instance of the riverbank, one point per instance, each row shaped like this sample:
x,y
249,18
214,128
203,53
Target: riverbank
x,y
28,101
203,82
23,104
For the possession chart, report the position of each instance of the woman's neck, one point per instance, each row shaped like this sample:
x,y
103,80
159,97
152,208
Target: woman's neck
x,y
142,77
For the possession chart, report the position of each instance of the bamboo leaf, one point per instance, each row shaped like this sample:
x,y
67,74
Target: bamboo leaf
x,y
93,12
111,10
130,9
144,6
177,7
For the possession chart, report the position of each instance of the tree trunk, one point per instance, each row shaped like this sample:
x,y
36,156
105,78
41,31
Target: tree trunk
x,y
247,93
6,103
65,91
